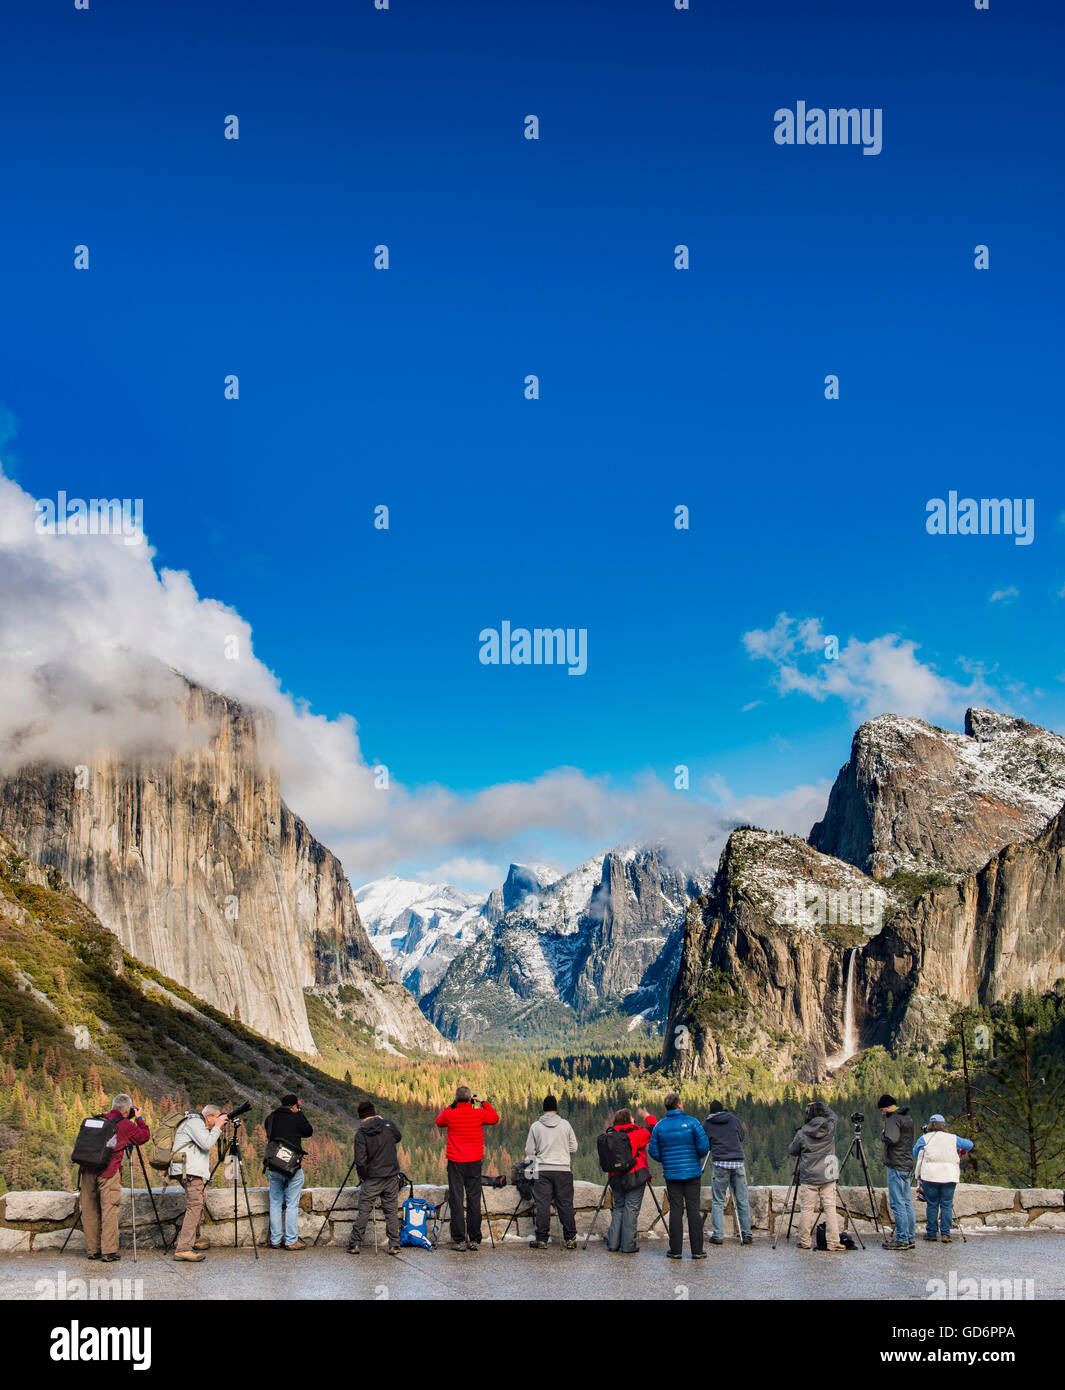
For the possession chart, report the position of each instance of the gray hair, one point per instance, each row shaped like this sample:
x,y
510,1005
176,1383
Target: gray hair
x,y
122,1102
210,1110
672,1100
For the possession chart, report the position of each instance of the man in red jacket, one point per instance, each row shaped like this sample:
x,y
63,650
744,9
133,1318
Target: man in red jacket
x,y
465,1119
100,1189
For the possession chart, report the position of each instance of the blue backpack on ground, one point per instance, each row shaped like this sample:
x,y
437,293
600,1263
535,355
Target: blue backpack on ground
x,y
417,1216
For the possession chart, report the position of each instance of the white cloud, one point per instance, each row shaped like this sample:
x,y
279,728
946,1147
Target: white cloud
x,y
1005,595
91,636
881,676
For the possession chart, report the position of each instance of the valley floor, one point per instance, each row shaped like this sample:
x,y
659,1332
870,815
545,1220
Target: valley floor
x,y
515,1272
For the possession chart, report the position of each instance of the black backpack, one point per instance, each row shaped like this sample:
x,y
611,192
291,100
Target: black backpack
x,y
615,1153
95,1145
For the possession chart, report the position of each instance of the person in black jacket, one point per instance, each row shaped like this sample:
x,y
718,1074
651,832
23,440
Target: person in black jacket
x,y
286,1125
726,1133
378,1168
898,1160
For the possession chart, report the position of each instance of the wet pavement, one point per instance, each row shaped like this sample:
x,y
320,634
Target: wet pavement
x,y
516,1272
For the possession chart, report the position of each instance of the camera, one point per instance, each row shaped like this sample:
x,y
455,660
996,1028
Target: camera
x,y
857,1118
239,1110
493,1180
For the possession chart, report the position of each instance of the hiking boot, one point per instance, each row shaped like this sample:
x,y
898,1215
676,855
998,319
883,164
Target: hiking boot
x,y
456,1245
92,1257
947,1240
835,1249
473,1247
201,1244
748,1239
296,1245
570,1245
393,1249
909,1245
700,1256
537,1244
189,1257
270,1245
671,1256
931,1238
110,1259
354,1250
893,1244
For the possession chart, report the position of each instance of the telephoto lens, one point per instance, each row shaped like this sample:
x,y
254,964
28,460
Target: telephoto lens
x,y
239,1110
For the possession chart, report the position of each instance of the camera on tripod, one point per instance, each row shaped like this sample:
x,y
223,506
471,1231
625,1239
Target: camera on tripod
x,y
239,1110
857,1120
493,1180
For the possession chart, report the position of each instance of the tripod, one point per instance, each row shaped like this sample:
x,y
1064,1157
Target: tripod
x,y
794,1197
336,1199
446,1203
130,1150
602,1198
233,1152
858,1148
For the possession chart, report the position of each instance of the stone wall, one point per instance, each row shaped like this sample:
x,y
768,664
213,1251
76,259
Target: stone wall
x,y
42,1220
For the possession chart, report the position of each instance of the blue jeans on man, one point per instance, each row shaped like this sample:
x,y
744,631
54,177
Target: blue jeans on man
x,y
287,1191
624,1219
722,1181
939,1206
901,1203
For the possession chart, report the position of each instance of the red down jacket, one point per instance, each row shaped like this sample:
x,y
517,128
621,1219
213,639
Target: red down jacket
x,y
465,1130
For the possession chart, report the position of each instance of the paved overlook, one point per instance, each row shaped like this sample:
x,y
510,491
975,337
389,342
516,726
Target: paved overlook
x,y
995,1261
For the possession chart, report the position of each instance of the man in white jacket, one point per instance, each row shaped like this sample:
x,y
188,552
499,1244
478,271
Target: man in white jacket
x,y
551,1142
938,1154
194,1139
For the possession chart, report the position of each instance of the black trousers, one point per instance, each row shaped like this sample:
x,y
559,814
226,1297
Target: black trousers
x,y
684,1197
372,1190
464,1200
554,1185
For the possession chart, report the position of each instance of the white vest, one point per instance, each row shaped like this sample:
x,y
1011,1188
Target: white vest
x,y
940,1162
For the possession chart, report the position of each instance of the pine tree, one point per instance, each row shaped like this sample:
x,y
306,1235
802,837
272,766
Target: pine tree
x,y
1018,1102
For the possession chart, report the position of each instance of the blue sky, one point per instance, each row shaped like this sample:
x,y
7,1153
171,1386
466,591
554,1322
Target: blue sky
x,y
555,257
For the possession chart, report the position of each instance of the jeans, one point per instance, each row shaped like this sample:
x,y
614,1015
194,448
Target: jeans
x,y
464,1200
554,1185
901,1203
939,1206
684,1197
624,1219
721,1181
285,1190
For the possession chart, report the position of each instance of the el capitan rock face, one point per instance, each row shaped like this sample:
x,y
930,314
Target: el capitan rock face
x,y
201,870
923,799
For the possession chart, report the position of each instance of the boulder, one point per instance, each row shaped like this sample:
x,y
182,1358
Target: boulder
x,y
39,1206
1049,1221
53,1240
1007,1220
973,1199
11,1241
1042,1197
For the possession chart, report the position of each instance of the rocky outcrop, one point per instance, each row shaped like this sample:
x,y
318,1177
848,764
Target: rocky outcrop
x,y
764,957
200,869
917,798
595,938
981,941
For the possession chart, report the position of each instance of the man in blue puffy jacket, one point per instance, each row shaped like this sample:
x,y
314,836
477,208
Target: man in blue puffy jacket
x,y
680,1144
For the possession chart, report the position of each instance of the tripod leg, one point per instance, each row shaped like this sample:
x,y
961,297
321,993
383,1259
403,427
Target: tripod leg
x,y
336,1199
599,1208
247,1206
873,1204
847,1214
77,1219
132,1205
151,1194
487,1218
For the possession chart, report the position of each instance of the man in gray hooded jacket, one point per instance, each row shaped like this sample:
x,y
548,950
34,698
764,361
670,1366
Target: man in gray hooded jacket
x,y
550,1144
814,1146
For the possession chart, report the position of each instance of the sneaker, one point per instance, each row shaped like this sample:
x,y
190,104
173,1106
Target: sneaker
x,y
931,1238
393,1249
537,1244
354,1250
297,1245
909,1245
717,1240
670,1256
189,1256
893,1244
110,1259
570,1245
748,1239
700,1256
93,1257
456,1245
473,1247
270,1245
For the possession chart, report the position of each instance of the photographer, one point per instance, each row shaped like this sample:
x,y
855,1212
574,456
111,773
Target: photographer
x,y
194,1139
378,1167
286,1126
815,1147
938,1153
627,1189
100,1189
551,1141
726,1133
465,1119
679,1143
898,1160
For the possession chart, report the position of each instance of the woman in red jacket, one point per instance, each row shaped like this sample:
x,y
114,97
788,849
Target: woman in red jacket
x,y
626,1190
465,1119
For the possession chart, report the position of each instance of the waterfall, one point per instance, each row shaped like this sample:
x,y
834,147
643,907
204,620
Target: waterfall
x,y
850,1032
